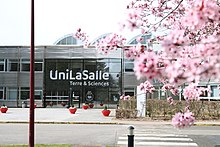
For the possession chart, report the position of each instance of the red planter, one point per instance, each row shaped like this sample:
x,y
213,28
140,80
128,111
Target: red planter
x,y
106,112
72,110
91,105
4,110
85,107
101,104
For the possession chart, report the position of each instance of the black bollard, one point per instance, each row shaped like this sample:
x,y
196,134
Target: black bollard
x,y
131,136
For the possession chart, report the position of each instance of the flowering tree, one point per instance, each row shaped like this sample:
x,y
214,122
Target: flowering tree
x,y
189,34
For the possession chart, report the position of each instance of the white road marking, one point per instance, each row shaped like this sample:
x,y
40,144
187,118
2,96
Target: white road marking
x,y
162,143
158,138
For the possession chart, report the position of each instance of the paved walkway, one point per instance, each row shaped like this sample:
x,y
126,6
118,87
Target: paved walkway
x,y
89,116
57,115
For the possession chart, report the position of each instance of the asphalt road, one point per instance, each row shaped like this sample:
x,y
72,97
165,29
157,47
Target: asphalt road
x,y
203,136
62,134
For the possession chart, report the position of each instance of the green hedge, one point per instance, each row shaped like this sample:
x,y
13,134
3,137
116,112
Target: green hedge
x,y
127,108
160,109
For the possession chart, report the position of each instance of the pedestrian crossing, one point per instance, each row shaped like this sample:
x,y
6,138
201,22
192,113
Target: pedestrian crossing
x,y
142,139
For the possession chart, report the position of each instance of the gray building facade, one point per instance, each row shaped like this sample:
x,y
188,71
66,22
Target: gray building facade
x,y
66,73
63,72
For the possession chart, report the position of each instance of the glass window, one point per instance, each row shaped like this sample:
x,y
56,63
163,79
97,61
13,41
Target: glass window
x,y
102,95
114,95
13,65
215,91
12,93
76,66
25,65
62,65
90,65
63,41
115,60
69,40
38,94
114,80
2,65
38,66
59,43
1,93
129,91
129,65
103,66
25,93
114,67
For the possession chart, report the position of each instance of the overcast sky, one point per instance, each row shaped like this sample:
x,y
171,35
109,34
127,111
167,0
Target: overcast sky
x,y
56,18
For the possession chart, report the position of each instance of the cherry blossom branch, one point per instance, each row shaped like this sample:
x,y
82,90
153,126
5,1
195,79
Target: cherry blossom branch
x,y
169,13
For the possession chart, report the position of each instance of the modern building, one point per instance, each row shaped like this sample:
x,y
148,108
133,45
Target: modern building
x,y
67,73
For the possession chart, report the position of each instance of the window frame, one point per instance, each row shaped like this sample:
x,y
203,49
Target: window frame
x,y
3,63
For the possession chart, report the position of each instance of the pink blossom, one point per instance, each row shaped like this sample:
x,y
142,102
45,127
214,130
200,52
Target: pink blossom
x,y
123,97
183,120
147,65
110,42
171,88
192,92
202,12
134,51
170,100
133,20
190,48
147,87
81,35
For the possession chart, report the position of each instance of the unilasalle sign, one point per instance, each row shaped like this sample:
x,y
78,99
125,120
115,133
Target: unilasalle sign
x,y
84,78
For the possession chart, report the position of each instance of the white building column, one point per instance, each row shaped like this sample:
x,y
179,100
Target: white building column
x,y
141,102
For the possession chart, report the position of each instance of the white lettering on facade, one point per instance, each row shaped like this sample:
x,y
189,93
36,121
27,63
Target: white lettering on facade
x,y
89,83
53,77
71,75
62,76
84,75
91,76
78,76
105,76
75,83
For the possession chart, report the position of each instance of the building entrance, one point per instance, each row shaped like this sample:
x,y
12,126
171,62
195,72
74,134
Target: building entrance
x,y
62,99
71,82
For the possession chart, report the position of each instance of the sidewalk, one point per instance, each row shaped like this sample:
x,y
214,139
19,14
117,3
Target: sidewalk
x,y
57,115
89,116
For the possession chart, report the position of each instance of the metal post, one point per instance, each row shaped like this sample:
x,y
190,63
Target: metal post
x,y
70,98
31,121
131,136
44,100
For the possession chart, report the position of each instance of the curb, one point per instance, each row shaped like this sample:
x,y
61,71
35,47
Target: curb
x,y
98,123
203,124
